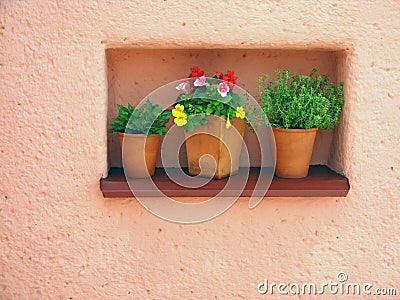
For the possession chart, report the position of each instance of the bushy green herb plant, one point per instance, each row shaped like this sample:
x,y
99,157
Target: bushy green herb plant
x,y
147,119
301,101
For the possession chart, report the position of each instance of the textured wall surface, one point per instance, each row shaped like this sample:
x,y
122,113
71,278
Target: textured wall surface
x,y
60,239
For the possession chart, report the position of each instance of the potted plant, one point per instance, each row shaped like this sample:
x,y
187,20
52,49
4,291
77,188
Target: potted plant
x,y
140,130
212,116
296,107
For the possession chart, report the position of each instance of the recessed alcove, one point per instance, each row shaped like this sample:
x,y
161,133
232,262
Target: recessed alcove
x,y
133,73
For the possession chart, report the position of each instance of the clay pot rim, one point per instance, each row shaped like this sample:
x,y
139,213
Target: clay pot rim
x,y
223,117
295,130
136,135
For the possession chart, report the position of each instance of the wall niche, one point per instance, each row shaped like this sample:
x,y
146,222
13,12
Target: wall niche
x,y
134,72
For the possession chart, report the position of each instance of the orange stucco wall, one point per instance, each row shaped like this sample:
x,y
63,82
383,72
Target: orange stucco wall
x,y
60,239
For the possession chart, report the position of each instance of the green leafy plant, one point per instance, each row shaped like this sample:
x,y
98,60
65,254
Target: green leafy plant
x,y
147,119
124,113
207,96
301,101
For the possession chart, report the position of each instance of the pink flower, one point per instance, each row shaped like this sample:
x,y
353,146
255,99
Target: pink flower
x,y
201,81
223,88
181,86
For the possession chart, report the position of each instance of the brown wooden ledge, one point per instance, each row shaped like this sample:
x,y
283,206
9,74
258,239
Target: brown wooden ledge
x,y
321,182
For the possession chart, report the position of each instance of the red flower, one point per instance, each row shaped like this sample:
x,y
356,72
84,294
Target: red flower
x,y
229,77
219,73
196,72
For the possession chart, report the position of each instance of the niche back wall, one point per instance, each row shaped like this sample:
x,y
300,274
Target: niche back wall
x,y
133,73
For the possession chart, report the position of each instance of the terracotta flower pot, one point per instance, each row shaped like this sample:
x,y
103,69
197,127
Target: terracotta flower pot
x,y
139,154
220,143
293,151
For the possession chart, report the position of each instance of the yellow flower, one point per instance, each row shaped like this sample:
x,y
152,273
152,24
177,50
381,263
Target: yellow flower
x,y
178,110
180,121
240,113
228,123
180,116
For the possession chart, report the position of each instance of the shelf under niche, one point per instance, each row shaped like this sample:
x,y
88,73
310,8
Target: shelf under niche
x,y
320,182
